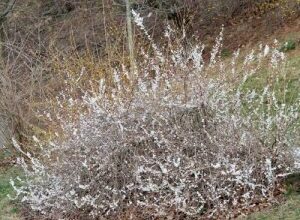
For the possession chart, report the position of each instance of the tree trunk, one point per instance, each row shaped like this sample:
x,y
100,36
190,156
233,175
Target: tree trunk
x,y
3,16
4,128
130,40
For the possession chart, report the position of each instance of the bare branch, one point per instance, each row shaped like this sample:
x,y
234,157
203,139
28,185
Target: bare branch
x,y
8,9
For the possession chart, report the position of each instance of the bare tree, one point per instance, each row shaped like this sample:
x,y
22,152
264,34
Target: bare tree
x,y
3,16
130,39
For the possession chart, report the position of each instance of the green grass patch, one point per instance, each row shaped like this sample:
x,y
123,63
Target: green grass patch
x,y
225,53
8,209
288,45
290,210
290,80
285,84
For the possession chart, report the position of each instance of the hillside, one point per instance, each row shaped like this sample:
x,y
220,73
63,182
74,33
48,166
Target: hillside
x,y
196,118
37,34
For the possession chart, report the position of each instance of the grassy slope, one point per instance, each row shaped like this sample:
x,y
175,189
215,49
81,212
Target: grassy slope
x,y
8,211
291,80
289,210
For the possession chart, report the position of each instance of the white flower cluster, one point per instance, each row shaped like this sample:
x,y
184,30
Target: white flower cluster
x,y
167,147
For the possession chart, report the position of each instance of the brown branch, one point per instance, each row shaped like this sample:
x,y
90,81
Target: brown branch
x,y
8,9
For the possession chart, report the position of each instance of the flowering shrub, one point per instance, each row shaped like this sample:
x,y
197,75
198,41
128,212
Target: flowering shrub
x,y
186,139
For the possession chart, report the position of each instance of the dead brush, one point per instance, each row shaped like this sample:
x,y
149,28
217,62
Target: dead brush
x,y
21,91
